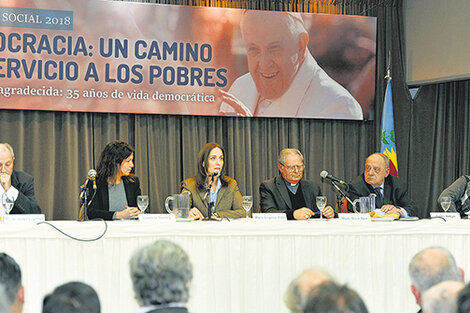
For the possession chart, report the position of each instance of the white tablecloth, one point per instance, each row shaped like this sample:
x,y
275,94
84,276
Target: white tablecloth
x,y
239,266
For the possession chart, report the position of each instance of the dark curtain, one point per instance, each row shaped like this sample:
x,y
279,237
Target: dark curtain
x,y
58,148
439,143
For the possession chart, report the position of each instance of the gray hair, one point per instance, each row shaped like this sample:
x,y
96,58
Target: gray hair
x,y
4,303
442,298
10,277
296,295
285,152
294,21
432,266
161,273
9,147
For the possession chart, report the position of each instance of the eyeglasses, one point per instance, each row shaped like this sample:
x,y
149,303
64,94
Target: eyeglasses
x,y
292,168
375,169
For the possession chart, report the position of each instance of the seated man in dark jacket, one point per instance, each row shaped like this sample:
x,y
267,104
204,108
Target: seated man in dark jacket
x,y
289,193
392,194
459,193
17,188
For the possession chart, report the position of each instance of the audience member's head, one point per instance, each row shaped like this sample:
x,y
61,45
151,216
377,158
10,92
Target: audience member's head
x,y
73,297
161,273
442,298
463,300
10,279
430,267
4,303
331,297
299,289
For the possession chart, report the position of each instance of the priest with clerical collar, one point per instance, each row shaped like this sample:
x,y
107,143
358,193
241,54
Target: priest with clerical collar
x,y
289,193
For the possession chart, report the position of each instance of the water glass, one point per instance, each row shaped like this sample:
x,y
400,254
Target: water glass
x,y
321,204
7,203
445,203
142,202
247,203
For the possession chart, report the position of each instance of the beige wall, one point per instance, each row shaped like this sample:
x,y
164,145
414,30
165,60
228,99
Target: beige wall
x,y
437,45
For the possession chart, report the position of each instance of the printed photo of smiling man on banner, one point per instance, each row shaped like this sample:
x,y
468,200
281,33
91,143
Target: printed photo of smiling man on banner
x,y
169,59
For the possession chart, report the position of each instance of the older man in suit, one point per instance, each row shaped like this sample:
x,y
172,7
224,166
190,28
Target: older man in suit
x,y
17,188
392,193
289,193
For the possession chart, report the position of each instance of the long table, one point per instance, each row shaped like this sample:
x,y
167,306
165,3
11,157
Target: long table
x,y
240,265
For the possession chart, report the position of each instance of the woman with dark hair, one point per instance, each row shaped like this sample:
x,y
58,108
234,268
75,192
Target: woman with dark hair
x,y
211,188
116,188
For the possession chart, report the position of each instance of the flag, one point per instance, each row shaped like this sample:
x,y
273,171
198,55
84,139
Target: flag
x,y
388,130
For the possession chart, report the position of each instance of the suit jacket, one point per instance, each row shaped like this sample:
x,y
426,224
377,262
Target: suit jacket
x,y
395,192
274,196
229,198
26,202
99,206
459,192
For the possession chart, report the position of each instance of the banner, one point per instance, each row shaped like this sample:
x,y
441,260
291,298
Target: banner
x,y
100,56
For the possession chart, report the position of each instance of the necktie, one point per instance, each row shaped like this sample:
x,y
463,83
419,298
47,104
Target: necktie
x,y
379,201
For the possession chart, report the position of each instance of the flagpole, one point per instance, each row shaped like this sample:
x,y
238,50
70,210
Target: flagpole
x,y
389,67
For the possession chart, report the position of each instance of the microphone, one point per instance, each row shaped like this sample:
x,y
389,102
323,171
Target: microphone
x,y
324,174
84,194
92,176
215,174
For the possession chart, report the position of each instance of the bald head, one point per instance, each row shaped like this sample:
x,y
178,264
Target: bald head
x,y
380,157
376,169
430,267
442,298
297,293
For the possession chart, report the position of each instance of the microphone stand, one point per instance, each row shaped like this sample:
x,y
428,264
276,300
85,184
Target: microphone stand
x,y
84,199
85,206
210,203
340,195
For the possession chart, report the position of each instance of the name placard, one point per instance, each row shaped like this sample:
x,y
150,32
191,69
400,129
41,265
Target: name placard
x,y
269,216
153,218
24,218
363,217
446,215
